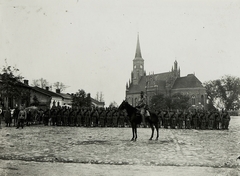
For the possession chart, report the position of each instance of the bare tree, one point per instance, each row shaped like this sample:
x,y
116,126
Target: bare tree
x,y
35,82
60,86
40,83
43,83
99,97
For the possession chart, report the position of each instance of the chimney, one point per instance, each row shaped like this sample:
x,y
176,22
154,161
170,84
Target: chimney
x,y
47,88
57,90
25,81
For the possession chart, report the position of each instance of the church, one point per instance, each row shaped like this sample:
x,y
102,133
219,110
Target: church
x,y
167,83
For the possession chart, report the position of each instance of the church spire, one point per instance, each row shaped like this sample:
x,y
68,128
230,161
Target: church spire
x,y
138,50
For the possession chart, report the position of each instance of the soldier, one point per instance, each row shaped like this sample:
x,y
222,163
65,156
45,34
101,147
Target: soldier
x,y
218,120
121,119
59,116
71,116
87,117
53,116
195,119
84,114
22,116
15,116
94,116
46,116
78,117
166,116
180,119
40,116
65,116
115,117
8,118
188,119
109,117
211,119
142,105
203,120
173,120
225,120
101,117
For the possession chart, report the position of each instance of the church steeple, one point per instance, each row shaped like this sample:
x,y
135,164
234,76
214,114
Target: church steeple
x,y
138,50
138,65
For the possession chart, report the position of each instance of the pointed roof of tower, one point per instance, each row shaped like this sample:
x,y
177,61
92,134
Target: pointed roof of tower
x,y
138,54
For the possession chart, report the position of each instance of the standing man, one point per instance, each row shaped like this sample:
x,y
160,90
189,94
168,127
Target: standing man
x,y
142,105
15,116
7,116
22,116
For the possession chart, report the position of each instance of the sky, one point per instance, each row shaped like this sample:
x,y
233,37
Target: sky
x,y
91,44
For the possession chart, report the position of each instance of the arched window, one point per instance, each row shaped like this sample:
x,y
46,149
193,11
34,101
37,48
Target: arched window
x,y
193,100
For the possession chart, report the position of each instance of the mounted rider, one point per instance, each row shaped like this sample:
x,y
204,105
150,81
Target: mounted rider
x,y
142,106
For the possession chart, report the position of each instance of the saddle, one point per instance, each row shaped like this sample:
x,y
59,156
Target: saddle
x,y
147,113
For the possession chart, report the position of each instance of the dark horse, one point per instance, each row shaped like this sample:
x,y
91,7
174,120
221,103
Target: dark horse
x,y
135,119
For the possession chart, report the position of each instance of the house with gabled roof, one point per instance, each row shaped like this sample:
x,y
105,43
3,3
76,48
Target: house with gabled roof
x,y
45,97
167,83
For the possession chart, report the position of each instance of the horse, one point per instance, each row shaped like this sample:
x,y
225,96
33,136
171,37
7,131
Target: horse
x,y
135,118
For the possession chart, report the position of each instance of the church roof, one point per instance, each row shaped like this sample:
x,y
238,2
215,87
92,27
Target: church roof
x,y
162,76
160,81
189,81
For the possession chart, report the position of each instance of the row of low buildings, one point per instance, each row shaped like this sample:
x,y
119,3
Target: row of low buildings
x,y
44,98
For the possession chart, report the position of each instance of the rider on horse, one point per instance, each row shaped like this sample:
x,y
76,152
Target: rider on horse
x,y
142,106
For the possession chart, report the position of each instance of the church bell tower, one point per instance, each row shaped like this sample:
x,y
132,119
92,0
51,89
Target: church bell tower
x,y
138,65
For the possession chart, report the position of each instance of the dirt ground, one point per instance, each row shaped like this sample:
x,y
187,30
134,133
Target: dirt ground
x,y
47,150
22,168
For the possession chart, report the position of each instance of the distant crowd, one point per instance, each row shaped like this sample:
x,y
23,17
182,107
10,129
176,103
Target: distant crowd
x,y
112,117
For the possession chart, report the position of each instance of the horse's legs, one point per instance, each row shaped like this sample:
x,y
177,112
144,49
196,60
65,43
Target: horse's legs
x,y
135,128
151,126
133,132
157,129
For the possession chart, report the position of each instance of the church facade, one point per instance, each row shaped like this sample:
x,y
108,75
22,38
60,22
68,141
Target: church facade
x,y
167,83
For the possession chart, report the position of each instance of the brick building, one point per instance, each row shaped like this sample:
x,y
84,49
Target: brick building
x,y
167,83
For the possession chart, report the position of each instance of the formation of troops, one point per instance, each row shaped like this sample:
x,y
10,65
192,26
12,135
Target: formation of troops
x,y
112,117
194,119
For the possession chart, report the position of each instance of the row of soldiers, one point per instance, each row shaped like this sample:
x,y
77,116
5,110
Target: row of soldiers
x,y
86,117
112,117
195,119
